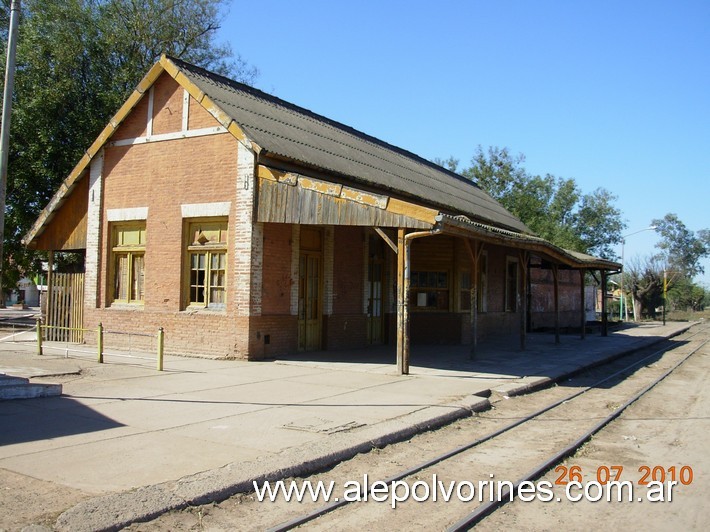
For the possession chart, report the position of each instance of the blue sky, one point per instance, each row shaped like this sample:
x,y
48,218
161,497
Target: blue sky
x,y
614,94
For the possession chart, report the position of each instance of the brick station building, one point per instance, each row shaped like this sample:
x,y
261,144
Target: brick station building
x,y
249,227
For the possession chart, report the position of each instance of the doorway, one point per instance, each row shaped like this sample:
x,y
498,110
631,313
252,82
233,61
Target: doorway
x,y
310,280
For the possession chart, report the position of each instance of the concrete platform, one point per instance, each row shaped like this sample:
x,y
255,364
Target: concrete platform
x,y
138,442
21,388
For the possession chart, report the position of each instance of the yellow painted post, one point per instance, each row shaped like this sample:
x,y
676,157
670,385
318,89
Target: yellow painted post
x,y
161,344
39,336
665,294
100,342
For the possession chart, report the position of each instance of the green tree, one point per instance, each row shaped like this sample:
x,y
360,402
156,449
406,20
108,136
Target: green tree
x,y
686,295
496,171
681,248
552,207
77,61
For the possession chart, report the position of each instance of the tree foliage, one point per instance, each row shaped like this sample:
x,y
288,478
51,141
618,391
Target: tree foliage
x,y
678,262
687,295
552,207
77,61
680,248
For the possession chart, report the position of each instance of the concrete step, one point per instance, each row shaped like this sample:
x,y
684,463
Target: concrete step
x,y
21,388
9,380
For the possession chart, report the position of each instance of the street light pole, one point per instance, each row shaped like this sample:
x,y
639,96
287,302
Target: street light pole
x,y
5,131
622,301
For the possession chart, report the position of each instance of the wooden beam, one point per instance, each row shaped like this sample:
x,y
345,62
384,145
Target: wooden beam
x,y
185,110
387,239
475,250
50,287
582,312
524,261
556,291
417,212
175,135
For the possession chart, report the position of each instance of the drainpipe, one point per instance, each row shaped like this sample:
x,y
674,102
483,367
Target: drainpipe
x,y
404,245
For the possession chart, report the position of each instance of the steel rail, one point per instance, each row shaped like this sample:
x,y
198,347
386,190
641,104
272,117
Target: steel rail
x,y
318,512
490,506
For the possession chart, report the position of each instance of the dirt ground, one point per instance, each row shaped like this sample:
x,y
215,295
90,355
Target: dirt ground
x,y
666,428
26,500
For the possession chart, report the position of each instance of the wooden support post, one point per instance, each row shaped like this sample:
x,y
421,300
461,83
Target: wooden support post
x,y
605,319
583,304
400,304
161,346
524,260
556,289
474,302
50,295
475,250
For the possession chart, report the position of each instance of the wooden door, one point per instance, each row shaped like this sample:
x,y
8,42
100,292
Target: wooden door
x,y
309,301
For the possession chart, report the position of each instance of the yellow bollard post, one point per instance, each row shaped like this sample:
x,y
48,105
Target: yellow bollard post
x,y
161,345
100,342
39,336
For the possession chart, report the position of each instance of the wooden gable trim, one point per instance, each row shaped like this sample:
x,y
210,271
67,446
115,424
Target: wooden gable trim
x,y
144,86
68,185
208,104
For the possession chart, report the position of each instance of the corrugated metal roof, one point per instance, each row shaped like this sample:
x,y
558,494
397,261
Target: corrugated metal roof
x,y
289,131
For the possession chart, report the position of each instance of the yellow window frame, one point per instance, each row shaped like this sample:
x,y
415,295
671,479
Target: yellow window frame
x,y
128,242
206,265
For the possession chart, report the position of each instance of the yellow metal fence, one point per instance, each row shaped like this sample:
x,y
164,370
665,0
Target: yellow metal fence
x,y
47,335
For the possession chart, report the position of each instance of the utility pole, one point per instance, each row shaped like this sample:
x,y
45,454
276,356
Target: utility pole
x,y
5,131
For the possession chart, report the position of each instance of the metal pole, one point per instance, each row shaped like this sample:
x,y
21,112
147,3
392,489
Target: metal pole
x,y
100,342
39,336
621,282
5,130
665,293
605,318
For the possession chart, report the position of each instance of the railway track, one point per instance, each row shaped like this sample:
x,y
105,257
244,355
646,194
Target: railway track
x,y
544,436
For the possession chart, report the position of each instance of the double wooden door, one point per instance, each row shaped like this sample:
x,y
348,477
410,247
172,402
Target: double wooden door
x,y
310,290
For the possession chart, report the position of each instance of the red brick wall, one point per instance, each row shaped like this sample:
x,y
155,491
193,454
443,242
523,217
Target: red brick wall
x,y
161,176
135,124
167,106
543,298
348,271
280,331
276,291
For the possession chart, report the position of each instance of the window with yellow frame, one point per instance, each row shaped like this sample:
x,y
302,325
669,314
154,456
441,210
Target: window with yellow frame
x,y
128,262
207,263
